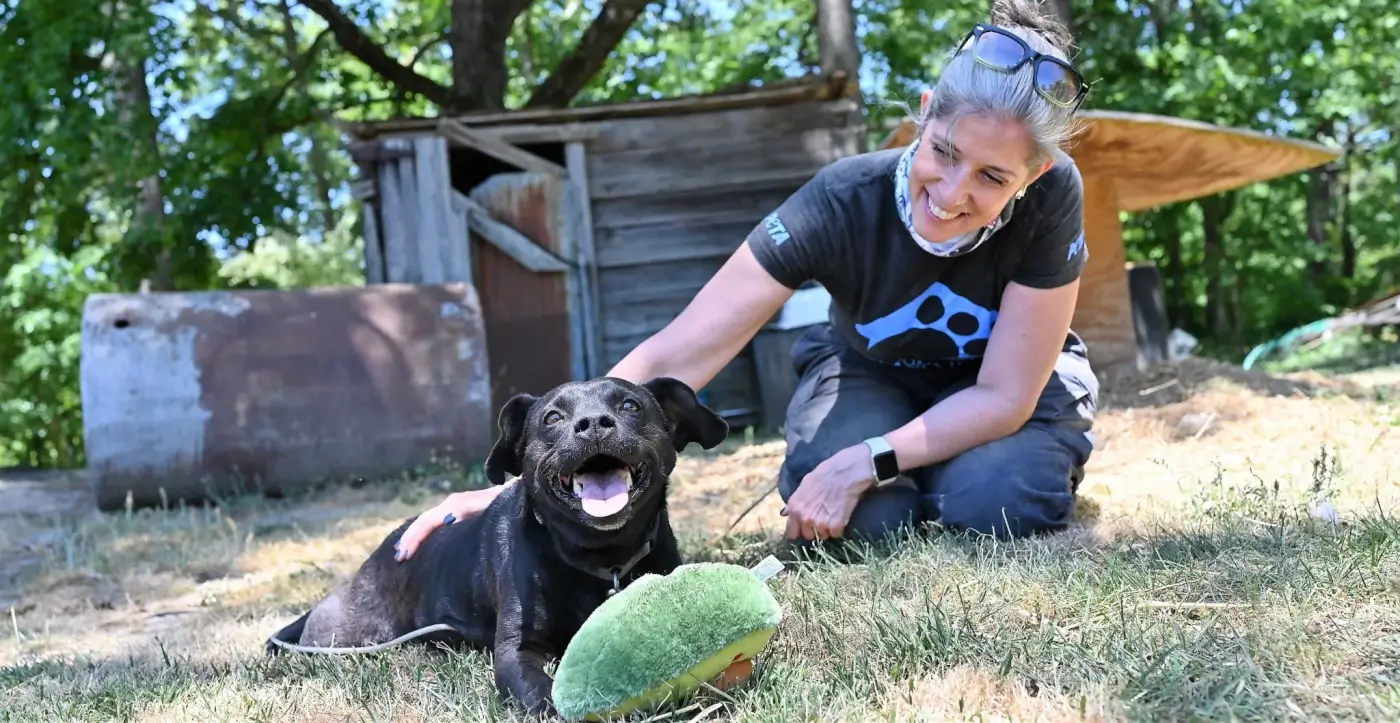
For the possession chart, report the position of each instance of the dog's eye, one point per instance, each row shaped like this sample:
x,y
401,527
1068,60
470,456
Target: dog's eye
x,y
630,406
553,418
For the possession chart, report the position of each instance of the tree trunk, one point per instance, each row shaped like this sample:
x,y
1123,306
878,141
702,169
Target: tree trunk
x,y
320,164
1178,306
134,113
1321,191
1344,215
1064,12
574,70
478,34
1214,211
478,37
836,38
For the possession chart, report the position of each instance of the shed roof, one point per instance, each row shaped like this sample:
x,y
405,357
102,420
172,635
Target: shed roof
x,y
1157,160
806,88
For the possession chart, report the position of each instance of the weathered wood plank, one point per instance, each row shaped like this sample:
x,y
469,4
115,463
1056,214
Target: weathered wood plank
x,y
654,283
391,224
512,242
793,94
638,321
701,129
586,264
514,155
636,173
374,252
364,189
405,170
732,390
458,243
710,205
432,181
541,133
670,242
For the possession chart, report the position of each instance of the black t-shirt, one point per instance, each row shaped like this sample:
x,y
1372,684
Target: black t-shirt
x,y
892,301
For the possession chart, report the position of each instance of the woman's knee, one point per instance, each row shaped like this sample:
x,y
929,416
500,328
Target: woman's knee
x,y
886,511
1017,486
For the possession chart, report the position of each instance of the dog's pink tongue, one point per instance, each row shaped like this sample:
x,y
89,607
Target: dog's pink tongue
x,y
603,493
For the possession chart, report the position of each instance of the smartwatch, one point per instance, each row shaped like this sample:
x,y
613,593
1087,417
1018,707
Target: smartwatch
x,y
882,458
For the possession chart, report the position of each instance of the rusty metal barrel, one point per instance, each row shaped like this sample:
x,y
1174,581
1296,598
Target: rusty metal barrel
x,y
191,396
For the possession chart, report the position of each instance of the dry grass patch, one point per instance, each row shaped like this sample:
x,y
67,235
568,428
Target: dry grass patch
x,y
1197,585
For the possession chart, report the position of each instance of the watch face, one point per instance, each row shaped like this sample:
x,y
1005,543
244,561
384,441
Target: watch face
x,y
885,466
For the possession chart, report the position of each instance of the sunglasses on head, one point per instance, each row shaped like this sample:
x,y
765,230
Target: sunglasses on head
x,y
1055,80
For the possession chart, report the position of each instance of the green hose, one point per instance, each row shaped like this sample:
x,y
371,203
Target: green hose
x,y
1288,340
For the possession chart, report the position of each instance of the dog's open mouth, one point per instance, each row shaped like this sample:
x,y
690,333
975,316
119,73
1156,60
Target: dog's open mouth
x,y
601,485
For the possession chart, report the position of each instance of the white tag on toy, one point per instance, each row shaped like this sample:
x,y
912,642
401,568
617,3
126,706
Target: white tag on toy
x,y
767,567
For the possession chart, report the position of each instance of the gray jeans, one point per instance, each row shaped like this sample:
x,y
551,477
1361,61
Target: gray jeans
x,y
1019,485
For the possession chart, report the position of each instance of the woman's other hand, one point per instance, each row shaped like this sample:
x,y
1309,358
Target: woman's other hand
x,y
457,506
822,506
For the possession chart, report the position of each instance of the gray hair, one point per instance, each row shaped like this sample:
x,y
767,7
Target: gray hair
x,y
967,87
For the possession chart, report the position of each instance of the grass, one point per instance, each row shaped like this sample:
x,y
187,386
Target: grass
x,y
1219,595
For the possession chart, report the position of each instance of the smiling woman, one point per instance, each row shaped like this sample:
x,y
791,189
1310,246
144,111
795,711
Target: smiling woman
x,y
948,386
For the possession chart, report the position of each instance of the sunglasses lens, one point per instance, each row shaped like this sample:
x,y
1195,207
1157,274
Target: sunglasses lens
x,y
999,51
1056,81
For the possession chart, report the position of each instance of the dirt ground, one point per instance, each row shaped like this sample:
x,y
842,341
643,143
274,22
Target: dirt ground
x,y
76,582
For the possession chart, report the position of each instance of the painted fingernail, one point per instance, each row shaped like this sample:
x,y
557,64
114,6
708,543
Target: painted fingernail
x,y
449,519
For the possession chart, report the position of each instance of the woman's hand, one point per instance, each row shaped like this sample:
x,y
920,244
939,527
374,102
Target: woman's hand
x,y
457,506
822,505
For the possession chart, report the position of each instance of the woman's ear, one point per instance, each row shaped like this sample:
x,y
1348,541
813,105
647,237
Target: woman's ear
x,y
924,99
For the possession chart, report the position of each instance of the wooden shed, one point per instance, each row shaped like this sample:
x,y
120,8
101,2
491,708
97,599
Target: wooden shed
x,y
585,230
1137,161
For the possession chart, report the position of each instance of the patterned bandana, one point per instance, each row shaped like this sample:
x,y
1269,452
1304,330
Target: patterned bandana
x,y
953,247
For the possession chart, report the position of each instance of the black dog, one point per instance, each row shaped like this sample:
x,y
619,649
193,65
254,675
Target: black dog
x,y
588,517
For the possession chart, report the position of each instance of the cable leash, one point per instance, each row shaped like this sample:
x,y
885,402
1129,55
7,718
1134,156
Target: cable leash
x,y
363,649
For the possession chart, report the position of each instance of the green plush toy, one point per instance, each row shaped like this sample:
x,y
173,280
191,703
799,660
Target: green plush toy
x,y
663,636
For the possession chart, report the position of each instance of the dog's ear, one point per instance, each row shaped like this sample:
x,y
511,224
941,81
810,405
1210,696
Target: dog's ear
x,y
507,455
686,418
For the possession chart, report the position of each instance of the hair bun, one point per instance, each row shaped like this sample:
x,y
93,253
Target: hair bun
x,y
1033,15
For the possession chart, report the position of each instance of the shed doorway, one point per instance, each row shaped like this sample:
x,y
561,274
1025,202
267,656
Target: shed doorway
x,y
526,312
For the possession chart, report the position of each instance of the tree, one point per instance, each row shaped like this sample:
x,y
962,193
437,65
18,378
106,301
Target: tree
x,y
478,32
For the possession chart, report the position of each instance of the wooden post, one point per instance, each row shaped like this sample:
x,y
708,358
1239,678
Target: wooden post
x,y
586,260
432,206
1104,316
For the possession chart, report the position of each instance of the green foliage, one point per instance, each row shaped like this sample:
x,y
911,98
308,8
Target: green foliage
x,y
240,128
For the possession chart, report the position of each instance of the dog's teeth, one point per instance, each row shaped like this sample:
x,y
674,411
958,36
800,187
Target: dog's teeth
x,y
627,475
578,487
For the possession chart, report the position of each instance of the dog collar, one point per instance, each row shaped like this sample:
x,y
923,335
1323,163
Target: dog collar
x,y
612,574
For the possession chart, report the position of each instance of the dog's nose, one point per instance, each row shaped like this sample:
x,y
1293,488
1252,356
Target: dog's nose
x,y
595,426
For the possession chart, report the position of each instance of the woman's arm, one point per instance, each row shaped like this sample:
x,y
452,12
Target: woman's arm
x,y
732,306
1026,341
727,312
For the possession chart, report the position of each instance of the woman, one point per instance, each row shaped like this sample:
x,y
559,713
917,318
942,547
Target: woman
x,y
947,385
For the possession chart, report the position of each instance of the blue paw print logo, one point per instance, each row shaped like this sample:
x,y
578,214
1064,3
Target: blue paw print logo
x,y
938,309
